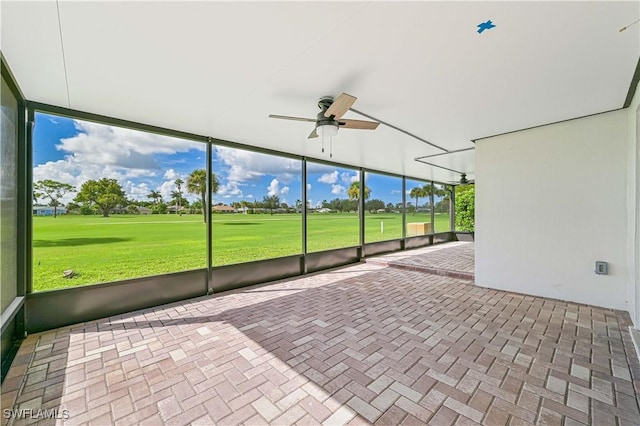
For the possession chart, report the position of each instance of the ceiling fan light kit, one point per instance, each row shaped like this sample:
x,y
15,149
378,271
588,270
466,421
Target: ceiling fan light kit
x,y
327,129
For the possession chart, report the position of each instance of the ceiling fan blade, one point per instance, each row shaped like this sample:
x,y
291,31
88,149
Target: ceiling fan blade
x,y
313,134
340,105
287,117
358,124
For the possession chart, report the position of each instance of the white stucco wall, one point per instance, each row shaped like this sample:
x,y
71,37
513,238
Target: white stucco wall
x,y
633,209
550,201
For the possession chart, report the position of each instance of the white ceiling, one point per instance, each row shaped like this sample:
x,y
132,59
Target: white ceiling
x,y
219,68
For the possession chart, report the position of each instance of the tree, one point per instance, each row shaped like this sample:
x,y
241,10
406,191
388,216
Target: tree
x,y
53,190
160,208
155,196
104,193
179,201
197,184
465,208
196,207
298,205
179,183
374,205
337,204
417,193
354,193
73,208
271,202
442,205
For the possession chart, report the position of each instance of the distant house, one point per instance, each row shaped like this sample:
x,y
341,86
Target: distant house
x,y
223,209
126,210
324,210
48,210
174,209
118,210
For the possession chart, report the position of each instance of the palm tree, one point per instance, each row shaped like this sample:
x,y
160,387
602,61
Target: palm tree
x,y
354,192
197,184
179,183
417,193
155,196
178,201
444,193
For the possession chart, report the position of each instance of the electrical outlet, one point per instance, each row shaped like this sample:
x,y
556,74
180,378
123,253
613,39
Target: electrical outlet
x,y
602,268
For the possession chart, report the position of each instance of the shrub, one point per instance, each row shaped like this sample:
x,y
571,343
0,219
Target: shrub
x,y
465,208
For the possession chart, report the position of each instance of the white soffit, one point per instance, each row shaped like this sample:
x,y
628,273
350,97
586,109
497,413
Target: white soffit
x,y
219,68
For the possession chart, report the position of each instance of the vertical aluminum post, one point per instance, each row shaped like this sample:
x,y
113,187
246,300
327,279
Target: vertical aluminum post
x,y
304,215
207,213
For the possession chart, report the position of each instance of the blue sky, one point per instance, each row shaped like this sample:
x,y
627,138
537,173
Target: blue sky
x,y
74,151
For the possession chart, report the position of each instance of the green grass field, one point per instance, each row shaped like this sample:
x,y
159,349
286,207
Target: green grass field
x,y
129,246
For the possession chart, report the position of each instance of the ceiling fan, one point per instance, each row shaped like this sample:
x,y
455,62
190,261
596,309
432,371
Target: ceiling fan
x,y
329,119
463,180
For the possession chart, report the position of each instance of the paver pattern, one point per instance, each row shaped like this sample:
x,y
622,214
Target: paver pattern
x,y
357,345
455,260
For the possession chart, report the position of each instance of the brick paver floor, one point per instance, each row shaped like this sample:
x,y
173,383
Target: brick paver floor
x,y
456,260
362,344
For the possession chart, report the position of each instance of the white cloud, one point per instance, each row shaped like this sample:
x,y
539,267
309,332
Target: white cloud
x,y
396,191
338,189
349,178
101,151
246,165
137,191
329,178
74,172
171,174
308,187
286,177
273,188
121,148
166,188
230,189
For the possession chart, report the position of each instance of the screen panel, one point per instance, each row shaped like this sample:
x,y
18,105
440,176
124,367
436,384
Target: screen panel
x,y
111,203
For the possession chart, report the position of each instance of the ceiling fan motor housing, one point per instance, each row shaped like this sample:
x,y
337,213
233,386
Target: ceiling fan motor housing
x,y
324,103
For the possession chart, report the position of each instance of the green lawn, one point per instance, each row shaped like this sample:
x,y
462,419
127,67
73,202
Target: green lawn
x,y
128,246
